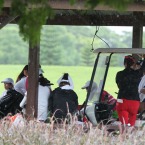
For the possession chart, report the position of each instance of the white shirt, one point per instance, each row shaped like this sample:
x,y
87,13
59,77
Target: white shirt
x,y
141,86
20,86
43,97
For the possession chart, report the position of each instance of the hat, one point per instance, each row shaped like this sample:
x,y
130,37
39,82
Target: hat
x,y
65,78
86,85
8,80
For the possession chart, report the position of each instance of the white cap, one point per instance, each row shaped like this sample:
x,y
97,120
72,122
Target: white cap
x,y
88,83
8,80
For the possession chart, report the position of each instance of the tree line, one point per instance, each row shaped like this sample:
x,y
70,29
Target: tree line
x,y
61,45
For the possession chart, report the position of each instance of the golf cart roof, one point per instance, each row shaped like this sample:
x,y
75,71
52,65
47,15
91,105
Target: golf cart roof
x,y
120,50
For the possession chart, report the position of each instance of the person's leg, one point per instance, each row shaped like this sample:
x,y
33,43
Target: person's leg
x,y
123,116
133,110
122,112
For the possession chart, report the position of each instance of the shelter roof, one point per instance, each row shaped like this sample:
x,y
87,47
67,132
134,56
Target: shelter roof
x,y
77,14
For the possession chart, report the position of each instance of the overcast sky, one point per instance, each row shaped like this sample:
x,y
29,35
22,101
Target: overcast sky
x,y
120,29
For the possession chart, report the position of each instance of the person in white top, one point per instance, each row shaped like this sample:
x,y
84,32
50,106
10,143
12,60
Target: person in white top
x,y
20,85
23,73
141,90
44,91
8,84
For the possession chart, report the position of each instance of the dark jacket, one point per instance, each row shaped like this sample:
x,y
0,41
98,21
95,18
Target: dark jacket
x,y
10,103
127,81
62,102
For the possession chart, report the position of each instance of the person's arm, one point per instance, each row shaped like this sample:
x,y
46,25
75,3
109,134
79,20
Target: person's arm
x,y
118,80
23,102
142,91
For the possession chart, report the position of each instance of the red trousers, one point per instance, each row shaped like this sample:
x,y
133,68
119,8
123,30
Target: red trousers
x,y
127,111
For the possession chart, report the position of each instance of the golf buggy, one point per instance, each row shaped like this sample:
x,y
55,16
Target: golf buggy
x,y
95,110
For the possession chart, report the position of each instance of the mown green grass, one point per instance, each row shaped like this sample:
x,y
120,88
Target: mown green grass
x,y
79,74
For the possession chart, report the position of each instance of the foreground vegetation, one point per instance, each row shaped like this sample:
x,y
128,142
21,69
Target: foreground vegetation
x,y
38,133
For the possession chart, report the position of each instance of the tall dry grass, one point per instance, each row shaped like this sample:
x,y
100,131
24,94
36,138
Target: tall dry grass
x,y
38,133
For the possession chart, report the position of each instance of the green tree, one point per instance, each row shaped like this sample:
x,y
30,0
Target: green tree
x,y
30,27
87,57
12,49
51,51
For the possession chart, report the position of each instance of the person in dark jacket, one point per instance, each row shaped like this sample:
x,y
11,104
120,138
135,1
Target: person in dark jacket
x,y
63,100
128,100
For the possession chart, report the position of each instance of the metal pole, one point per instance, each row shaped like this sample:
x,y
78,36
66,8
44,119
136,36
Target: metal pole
x,y
91,81
105,76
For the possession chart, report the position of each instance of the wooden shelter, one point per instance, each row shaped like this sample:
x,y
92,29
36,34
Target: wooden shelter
x,y
78,15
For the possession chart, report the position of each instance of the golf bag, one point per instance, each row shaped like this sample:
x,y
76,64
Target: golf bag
x,y
10,103
99,112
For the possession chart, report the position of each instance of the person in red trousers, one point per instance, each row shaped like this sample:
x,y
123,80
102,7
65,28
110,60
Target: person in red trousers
x,y
128,100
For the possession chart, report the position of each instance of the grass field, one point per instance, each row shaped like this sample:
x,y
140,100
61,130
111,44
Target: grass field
x,y
79,75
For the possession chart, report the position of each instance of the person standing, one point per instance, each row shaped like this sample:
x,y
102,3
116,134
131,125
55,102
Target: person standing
x,y
128,100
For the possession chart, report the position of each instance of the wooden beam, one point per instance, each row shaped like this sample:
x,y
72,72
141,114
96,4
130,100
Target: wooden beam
x,y
137,30
7,21
80,5
137,35
86,18
94,19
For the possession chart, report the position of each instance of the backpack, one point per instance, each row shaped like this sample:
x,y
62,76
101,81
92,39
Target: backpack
x,y
10,103
103,112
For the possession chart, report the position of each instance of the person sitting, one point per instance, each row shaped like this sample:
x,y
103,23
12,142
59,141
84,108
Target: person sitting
x,y
105,95
23,73
63,100
20,85
8,85
10,99
44,91
98,111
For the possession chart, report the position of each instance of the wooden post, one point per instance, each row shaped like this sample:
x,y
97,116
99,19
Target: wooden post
x,y
137,41
137,35
33,73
